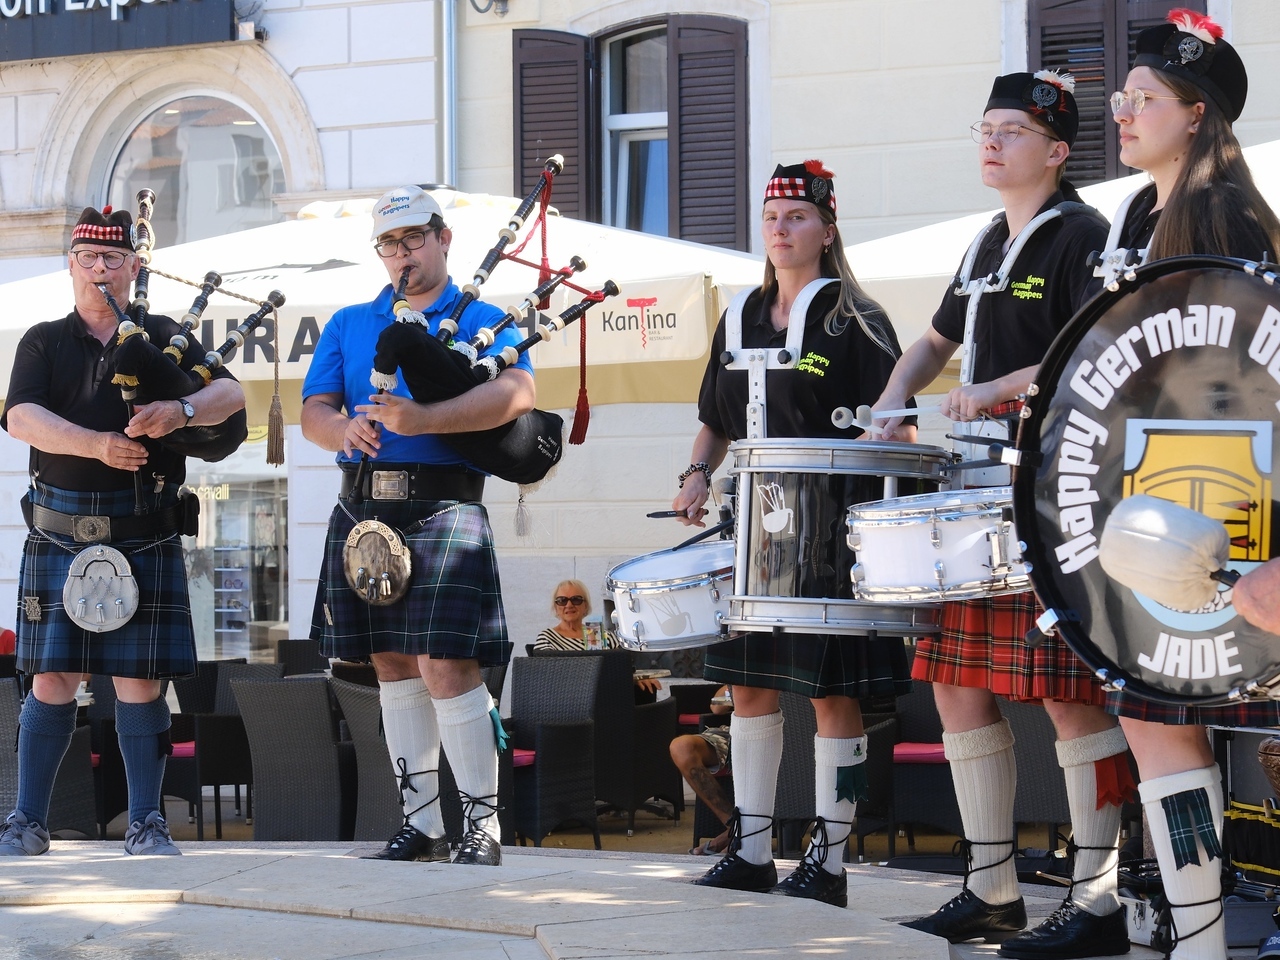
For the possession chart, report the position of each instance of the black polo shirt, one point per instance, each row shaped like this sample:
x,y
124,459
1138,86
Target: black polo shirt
x,y
61,366
844,370
1248,242
1049,281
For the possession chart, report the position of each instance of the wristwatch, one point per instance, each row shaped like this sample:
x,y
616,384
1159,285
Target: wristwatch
x,y
188,409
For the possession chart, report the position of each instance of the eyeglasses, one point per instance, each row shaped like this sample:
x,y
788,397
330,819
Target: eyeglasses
x,y
1136,99
1005,133
412,241
111,259
565,601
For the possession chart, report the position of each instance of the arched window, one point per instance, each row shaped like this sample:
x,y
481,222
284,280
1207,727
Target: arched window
x,y
212,166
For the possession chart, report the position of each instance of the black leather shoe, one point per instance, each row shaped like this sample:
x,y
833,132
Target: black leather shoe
x,y
811,881
735,873
478,847
966,917
410,843
1071,932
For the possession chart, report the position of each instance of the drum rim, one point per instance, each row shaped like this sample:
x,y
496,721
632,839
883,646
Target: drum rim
x,y
917,508
928,459
970,590
1025,517
634,584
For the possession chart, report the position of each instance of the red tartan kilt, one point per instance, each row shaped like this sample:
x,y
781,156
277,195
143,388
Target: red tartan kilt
x,y
982,645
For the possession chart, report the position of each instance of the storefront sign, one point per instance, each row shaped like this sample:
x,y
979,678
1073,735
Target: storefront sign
x,y
41,29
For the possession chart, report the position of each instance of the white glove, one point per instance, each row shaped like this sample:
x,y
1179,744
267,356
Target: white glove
x,y
1164,551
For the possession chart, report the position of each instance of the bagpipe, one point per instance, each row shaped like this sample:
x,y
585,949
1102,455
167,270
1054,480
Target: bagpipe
x,y
437,368
145,373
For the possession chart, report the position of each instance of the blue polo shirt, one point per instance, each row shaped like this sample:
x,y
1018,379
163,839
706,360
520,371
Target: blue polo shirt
x,y
344,359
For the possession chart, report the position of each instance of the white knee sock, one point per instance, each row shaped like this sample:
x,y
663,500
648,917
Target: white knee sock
x,y
1092,827
466,729
985,776
1192,883
829,755
413,740
757,751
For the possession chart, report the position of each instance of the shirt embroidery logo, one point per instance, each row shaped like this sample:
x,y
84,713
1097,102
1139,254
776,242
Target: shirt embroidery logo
x,y
1027,289
813,363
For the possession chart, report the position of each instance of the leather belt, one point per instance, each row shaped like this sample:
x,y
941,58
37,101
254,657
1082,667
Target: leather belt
x,y
96,529
414,481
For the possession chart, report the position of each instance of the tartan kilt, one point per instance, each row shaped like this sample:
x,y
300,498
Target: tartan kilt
x,y
157,643
812,665
453,608
982,645
1261,713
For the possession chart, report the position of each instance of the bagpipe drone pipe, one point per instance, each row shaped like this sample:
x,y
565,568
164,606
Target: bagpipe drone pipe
x,y
522,451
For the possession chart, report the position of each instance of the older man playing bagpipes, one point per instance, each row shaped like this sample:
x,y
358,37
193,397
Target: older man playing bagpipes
x,y
103,588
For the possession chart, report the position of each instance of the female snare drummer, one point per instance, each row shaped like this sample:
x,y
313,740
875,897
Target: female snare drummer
x,y
1175,112
849,347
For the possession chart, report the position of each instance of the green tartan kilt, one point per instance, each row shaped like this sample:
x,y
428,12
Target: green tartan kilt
x,y
812,665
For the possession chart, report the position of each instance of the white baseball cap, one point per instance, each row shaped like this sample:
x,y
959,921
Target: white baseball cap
x,y
403,207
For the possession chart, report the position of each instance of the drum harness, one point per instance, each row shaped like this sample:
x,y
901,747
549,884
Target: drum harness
x,y
1117,262
966,285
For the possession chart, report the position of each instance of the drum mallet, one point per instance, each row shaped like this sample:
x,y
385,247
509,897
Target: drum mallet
x,y
1166,552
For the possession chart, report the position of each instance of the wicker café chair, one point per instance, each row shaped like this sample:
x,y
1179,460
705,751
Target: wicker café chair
x,y
552,699
212,749
304,777
73,807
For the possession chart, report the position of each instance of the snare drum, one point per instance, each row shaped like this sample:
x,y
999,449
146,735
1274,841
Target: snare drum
x,y
954,545
791,569
672,599
1168,386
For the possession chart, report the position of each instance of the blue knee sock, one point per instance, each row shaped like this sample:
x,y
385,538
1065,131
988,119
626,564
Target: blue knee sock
x,y
143,729
44,733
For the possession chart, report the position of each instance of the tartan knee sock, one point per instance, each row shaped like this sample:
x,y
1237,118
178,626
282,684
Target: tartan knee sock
x,y
835,795
44,733
1190,871
466,731
1095,829
141,728
413,741
757,751
985,775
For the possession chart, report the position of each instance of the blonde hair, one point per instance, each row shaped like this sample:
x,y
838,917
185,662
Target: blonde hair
x,y
835,264
576,588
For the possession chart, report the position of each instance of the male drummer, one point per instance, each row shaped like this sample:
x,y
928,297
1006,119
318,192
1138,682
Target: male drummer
x,y
1024,138
427,648
87,451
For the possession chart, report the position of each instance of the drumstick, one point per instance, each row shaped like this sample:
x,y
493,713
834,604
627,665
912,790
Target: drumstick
x,y
864,416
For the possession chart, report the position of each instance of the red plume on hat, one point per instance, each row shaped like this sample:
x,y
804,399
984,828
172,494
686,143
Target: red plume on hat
x,y
816,169
1198,25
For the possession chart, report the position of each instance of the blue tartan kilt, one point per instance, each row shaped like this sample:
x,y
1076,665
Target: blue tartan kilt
x,y
158,641
453,608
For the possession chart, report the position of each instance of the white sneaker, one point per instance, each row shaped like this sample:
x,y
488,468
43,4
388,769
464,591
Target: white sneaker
x,y
22,837
150,837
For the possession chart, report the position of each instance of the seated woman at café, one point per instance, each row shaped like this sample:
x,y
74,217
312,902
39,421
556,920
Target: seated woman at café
x,y
570,603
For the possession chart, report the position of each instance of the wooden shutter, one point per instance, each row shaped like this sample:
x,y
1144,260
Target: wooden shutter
x,y
707,130
1094,40
554,105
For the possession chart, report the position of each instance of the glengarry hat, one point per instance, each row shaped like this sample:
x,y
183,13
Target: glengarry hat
x,y
106,227
1190,46
404,207
809,181
1046,94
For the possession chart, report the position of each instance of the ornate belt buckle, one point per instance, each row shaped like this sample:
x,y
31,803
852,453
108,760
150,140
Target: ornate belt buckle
x,y
389,485
90,529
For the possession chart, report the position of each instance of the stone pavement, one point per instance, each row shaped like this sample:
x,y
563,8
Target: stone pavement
x,y
318,901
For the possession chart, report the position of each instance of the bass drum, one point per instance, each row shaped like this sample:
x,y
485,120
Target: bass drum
x,y
1169,387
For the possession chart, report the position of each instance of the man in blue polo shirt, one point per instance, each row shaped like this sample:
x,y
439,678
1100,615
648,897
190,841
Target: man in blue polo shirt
x,y
428,646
